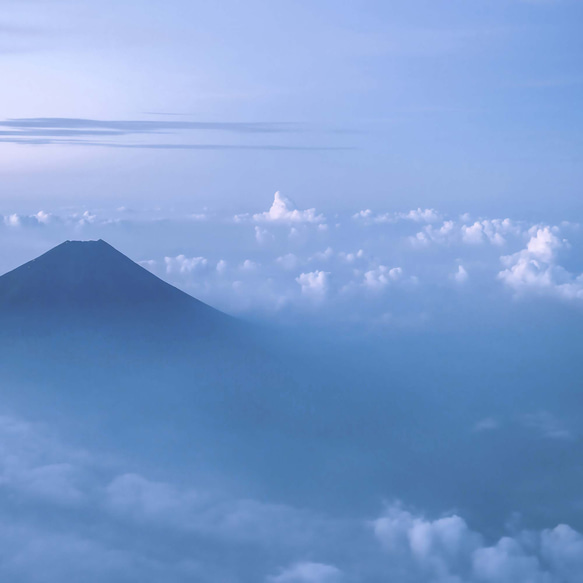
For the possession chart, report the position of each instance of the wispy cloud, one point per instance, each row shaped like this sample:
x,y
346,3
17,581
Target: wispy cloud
x,y
73,131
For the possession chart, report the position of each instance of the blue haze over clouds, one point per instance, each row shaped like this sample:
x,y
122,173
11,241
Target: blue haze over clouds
x,y
406,405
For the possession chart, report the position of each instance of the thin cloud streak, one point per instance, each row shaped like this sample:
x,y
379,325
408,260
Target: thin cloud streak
x,y
48,142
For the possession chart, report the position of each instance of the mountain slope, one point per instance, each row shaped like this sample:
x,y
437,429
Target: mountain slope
x,y
86,273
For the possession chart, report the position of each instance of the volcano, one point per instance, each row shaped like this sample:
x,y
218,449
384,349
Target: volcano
x,y
88,283
85,274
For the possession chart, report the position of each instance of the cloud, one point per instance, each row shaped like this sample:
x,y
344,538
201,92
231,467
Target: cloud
x,y
446,550
461,275
547,425
17,220
183,265
56,125
249,265
486,424
308,573
416,215
263,235
123,526
74,131
322,255
431,234
284,211
380,277
535,269
492,231
314,284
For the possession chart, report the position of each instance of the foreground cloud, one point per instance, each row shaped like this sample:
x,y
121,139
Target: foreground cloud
x,y
446,550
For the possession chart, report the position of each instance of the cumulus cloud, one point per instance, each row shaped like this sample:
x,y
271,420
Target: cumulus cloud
x,y
129,515
283,210
249,265
416,215
351,257
446,550
380,277
18,220
492,231
182,264
322,255
535,268
433,234
314,284
221,266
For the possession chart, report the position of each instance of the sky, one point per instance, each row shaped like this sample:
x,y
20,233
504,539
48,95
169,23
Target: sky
x,y
391,190
391,104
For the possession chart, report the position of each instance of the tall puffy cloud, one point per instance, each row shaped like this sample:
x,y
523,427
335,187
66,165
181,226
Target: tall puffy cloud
x,y
534,269
283,210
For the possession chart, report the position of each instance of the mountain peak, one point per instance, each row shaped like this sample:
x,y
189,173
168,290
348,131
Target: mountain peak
x,y
86,274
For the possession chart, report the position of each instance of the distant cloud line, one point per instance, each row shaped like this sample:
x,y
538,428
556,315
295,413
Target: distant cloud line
x,y
50,131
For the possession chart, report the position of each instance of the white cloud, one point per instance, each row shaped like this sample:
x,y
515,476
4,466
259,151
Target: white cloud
x,y
322,255
492,231
535,269
351,257
17,220
416,215
380,277
314,284
183,265
284,211
432,234
249,265
13,220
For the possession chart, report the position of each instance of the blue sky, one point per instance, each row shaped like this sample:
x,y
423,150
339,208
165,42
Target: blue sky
x,y
393,189
449,103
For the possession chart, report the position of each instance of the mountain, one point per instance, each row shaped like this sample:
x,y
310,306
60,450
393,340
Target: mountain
x,y
84,327
90,281
84,274
92,341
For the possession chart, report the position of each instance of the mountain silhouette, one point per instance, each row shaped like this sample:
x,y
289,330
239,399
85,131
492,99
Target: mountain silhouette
x,y
133,363
85,274
81,284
